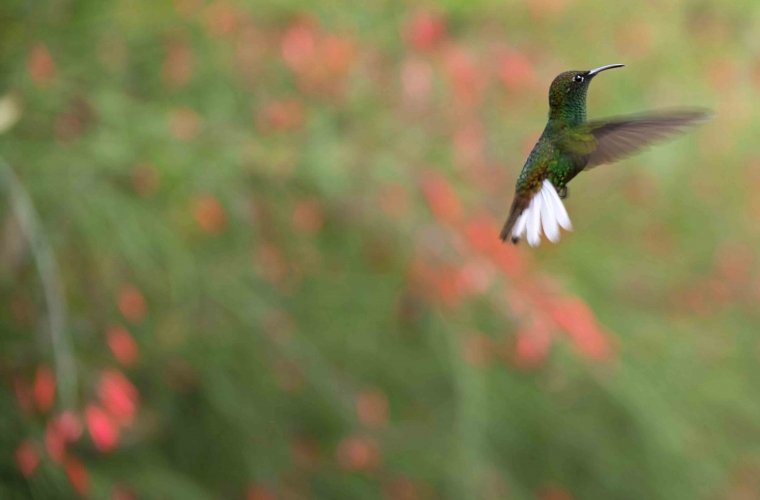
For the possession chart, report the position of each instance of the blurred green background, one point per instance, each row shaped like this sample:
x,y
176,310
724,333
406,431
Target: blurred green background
x,y
248,250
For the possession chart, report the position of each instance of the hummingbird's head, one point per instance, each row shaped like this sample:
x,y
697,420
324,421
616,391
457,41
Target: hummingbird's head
x,y
567,95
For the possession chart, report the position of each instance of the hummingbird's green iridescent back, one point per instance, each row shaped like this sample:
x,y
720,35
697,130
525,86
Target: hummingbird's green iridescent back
x,y
571,144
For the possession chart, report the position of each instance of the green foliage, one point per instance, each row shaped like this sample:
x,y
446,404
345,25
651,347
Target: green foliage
x,y
293,211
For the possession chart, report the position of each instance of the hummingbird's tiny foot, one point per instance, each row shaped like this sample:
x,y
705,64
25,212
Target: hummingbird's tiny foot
x,y
515,240
563,193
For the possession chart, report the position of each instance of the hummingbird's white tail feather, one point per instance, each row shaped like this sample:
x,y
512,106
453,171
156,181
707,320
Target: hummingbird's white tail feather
x,y
545,209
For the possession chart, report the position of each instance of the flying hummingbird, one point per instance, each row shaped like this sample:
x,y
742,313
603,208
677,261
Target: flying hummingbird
x,y
570,145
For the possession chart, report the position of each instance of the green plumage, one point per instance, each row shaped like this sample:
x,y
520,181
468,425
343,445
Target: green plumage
x,y
571,144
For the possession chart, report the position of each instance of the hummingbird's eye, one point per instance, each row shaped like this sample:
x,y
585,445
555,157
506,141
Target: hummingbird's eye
x,y
578,78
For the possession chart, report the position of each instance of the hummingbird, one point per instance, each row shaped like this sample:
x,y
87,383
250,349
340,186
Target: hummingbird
x,y
570,145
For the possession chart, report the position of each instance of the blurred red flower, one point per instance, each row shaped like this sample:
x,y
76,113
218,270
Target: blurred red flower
x,y
304,452
475,277
469,144
372,408
308,217
576,318
44,389
357,453
466,80
509,259
78,476
281,116
733,262
69,426
299,45
145,179
122,345
104,432
401,489
553,493
27,458
270,263
424,31
118,396
337,53
542,9
41,66
530,350
131,303
417,79
119,492
178,64
515,70
210,214
441,197
221,18
186,8
259,492
55,441
482,233
184,124
447,285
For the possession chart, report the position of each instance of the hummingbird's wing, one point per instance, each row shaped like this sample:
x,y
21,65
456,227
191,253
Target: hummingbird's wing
x,y
606,141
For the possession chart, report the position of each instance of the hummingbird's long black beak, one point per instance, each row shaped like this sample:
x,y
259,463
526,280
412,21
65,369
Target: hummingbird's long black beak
x,y
604,68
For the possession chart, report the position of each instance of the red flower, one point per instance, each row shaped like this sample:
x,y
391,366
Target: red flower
x,y
145,179
441,197
466,81
554,493
104,433
281,116
27,458
337,53
210,214
401,489
424,31
576,318
372,408
44,389
118,396
515,70
78,476
132,303
482,232
119,492
308,217
531,351
304,452
122,345
69,426
184,124
178,65
221,18
259,492
298,45
41,66
55,442
357,453
417,79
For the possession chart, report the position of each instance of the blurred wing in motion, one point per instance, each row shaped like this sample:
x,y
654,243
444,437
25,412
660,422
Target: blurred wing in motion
x,y
607,141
